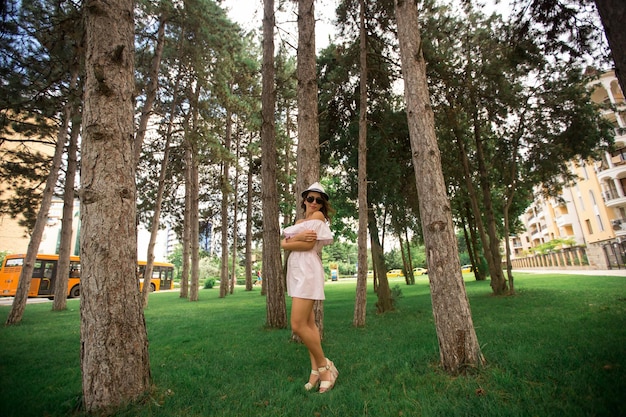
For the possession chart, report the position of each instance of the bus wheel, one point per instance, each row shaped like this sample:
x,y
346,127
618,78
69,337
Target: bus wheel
x,y
152,287
75,291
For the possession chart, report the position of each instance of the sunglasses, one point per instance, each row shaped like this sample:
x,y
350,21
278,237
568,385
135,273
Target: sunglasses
x,y
318,200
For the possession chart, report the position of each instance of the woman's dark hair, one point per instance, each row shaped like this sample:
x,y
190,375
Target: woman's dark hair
x,y
327,209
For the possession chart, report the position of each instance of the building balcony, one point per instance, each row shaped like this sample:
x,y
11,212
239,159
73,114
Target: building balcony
x,y
612,173
612,199
619,227
564,220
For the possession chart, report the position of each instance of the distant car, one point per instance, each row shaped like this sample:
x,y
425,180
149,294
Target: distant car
x,y
420,271
465,269
395,273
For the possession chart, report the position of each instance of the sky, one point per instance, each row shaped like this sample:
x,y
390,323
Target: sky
x,y
249,13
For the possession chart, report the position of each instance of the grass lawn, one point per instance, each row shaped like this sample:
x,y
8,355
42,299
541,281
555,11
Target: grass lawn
x,y
558,348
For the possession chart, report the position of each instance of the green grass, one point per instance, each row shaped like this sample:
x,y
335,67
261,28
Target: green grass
x,y
558,348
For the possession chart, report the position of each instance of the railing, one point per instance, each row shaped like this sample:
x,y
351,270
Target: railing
x,y
566,257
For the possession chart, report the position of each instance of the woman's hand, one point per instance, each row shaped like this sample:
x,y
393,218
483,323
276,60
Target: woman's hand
x,y
303,241
306,236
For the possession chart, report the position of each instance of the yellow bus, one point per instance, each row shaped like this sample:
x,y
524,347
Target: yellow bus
x,y
44,276
162,275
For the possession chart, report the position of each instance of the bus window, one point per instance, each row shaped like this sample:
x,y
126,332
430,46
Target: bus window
x,y
10,263
38,269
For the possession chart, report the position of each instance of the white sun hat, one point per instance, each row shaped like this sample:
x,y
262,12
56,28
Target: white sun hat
x,y
317,187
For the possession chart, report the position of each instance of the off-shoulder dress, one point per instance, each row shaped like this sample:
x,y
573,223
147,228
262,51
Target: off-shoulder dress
x,y
305,272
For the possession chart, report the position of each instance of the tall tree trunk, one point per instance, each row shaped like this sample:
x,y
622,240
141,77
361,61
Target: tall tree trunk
x,y
114,343
360,302
154,228
272,268
23,286
473,194
308,158
508,202
458,344
249,200
384,302
225,188
613,15
151,88
409,270
184,279
233,279
65,247
194,188
498,282
21,295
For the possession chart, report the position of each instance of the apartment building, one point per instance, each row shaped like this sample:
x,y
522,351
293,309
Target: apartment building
x,y
590,215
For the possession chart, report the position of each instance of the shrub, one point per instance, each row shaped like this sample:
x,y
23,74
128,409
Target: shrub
x,y
209,283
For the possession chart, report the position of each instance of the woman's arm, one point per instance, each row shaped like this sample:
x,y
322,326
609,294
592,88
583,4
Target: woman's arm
x,y
290,244
303,241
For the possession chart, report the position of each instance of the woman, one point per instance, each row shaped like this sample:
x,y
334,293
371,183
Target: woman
x,y
305,280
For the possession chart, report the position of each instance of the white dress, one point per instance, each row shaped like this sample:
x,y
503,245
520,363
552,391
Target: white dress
x,y
305,272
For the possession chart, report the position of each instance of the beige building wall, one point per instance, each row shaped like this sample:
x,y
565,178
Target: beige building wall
x,y
593,211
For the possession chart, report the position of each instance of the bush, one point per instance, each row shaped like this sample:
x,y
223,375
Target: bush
x,y
396,294
209,283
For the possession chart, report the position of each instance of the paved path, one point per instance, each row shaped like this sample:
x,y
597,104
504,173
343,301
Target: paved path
x,y
594,272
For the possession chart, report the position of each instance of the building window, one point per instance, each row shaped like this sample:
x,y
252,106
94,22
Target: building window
x,y
589,228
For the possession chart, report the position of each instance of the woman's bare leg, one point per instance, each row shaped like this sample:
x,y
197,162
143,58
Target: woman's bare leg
x,y
303,324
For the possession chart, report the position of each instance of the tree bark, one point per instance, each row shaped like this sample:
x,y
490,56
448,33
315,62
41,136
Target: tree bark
x,y
114,344
272,268
233,277
249,223
384,303
159,198
156,219
458,344
194,220
225,189
613,15
360,302
308,157
184,279
65,247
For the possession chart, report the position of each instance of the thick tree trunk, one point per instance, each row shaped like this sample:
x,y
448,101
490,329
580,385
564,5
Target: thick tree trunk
x,y
114,344
613,15
360,303
65,247
272,268
458,344
308,158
